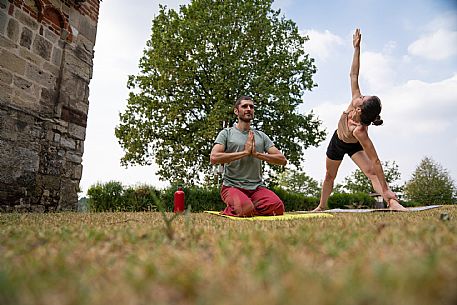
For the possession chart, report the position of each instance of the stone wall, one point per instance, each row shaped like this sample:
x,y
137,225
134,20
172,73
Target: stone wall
x,y
46,52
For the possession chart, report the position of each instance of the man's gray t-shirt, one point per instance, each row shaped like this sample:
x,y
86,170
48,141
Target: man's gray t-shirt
x,y
246,172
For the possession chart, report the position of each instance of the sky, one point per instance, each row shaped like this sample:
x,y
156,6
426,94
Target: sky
x,y
408,59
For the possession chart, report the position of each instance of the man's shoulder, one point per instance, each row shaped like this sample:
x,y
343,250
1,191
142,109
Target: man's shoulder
x,y
226,130
260,132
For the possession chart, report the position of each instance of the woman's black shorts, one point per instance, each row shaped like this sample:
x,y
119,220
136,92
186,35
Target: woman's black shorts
x,y
337,148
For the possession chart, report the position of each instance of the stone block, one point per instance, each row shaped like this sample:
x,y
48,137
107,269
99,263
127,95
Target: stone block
x,y
76,66
87,27
77,172
26,38
7,132
30,57
74,86
3,20
47,97
38,75
71,115
76,131
6,94
56,57
24,85
73,157
3,4
23,100
80,147
26,19
68,195
6,77
57,138
25,159
83,54
12,62
51,36
85,43
82,106
12,30
67,143
53,69
7,44
62,127
42,47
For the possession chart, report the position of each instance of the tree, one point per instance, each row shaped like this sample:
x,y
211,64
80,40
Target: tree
x,y
357,182
430,184
299,182
197,62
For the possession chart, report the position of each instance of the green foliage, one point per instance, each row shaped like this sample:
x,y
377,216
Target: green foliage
x,y
197,62
356,200
357,182
112,196
199,198
299,182
296,201
431,184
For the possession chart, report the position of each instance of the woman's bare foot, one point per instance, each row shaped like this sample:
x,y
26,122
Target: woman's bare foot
x,y
318,209
394,205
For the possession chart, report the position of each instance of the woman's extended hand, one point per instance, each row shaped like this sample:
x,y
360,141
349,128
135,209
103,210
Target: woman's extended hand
x,y
356,38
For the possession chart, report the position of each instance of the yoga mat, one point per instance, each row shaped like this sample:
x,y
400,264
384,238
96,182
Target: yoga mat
x,y
413,209
286,216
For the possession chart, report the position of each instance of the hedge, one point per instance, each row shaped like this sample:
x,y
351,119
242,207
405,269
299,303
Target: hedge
x,y
112,196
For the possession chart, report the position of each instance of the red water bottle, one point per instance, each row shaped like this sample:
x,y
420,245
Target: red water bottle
x,y
179,201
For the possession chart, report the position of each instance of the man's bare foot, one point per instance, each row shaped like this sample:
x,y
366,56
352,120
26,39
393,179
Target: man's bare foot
x,y
394,205
318,209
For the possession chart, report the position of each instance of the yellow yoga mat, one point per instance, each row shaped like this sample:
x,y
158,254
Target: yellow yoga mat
x,y
286,216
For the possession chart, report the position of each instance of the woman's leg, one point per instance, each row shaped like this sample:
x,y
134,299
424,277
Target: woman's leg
x,y
363,162
331,169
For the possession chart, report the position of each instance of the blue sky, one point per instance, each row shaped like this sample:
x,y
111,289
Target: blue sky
x,y
409,59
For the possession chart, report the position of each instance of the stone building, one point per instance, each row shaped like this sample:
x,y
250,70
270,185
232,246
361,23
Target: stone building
x,y
46,53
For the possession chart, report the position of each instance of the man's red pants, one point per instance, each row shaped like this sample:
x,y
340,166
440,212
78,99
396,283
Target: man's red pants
x,y
241,202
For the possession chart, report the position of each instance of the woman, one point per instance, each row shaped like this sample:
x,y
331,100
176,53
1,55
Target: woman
x,y
352,138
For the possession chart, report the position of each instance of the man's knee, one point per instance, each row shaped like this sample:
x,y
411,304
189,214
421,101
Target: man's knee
x,y
279,208
244,208
271,206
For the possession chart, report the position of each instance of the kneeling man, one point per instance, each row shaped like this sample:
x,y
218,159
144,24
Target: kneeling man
x,y
242,149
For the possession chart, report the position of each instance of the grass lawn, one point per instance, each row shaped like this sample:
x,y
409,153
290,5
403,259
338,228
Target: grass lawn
x,y
127,258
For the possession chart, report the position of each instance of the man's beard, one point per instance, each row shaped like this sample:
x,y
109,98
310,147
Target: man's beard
x,y
245,119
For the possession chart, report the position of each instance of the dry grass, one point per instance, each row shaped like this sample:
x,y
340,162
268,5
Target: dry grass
x,y
126,258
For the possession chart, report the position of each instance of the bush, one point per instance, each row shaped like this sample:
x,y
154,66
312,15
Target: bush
x,y
199,198
345,201
295,201
112,197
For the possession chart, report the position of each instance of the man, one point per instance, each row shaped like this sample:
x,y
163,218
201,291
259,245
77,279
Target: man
x,y
242,149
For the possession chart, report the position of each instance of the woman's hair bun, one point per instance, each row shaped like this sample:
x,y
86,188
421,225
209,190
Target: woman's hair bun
x,y
377,121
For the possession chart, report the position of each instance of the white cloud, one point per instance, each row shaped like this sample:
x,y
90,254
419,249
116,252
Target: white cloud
x,y
376,70
439,41
439,45
321,45
330,112
421,108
